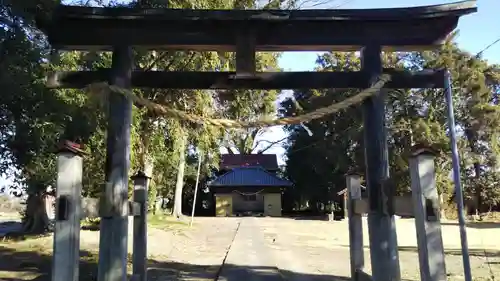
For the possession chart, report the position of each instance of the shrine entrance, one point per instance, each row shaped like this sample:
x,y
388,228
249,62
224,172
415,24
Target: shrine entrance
x,y
245,32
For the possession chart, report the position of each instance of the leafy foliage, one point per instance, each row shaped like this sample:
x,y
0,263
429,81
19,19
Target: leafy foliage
x,y
317,164
33,118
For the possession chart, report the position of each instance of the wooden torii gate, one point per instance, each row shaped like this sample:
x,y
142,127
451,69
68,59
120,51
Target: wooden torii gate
x,y
247,32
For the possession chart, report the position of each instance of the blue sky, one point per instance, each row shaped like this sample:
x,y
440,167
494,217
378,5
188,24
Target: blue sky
x,y
476,32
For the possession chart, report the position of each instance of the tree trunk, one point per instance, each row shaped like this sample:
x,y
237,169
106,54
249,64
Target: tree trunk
x,y
148,168
39,212
177,211
472,139
441,204
147,161
478,191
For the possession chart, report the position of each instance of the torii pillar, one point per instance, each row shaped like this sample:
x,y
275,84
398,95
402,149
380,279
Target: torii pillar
x,y
381,223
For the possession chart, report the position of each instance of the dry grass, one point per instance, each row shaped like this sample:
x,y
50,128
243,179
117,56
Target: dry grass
x,y
10,205
166,222
31,260
163,222
452,214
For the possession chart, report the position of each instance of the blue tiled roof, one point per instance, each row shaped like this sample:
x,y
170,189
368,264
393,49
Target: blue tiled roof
x,y
249,176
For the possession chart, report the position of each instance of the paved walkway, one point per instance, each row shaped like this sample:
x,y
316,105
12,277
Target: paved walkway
x,y
267,250
249,257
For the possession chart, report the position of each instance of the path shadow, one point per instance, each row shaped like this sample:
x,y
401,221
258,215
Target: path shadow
x,y
478,224
233,272
310,218
17,265
452,252
314,218
8,226
31,265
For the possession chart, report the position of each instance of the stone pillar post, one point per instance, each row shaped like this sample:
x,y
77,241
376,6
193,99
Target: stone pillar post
x,y
355,221
427,215
66,257
140,244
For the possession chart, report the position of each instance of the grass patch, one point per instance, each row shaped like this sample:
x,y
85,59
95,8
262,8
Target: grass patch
x,y
92,224
166,222
31,260
21,236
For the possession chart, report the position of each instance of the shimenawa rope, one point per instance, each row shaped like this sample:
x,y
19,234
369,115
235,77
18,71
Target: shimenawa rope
x,y
162,110
248,194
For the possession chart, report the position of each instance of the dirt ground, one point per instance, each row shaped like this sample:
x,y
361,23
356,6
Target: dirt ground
x,y
257,249
175,252
320,248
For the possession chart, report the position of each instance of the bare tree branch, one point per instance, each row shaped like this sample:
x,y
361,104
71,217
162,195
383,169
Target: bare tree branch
x,y
229,150
309,4
271,144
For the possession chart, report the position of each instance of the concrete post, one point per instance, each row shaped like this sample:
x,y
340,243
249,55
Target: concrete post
x,y
355,222
427,216
114,221
140,240
65,261
381,223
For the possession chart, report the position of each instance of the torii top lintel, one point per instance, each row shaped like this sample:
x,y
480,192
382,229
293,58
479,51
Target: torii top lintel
x,y
395,29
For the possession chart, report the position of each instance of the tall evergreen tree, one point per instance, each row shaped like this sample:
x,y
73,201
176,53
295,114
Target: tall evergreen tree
x,y
413,117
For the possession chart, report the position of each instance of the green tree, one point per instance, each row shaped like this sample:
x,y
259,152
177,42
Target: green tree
x,y
35,118
317,164
475,87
